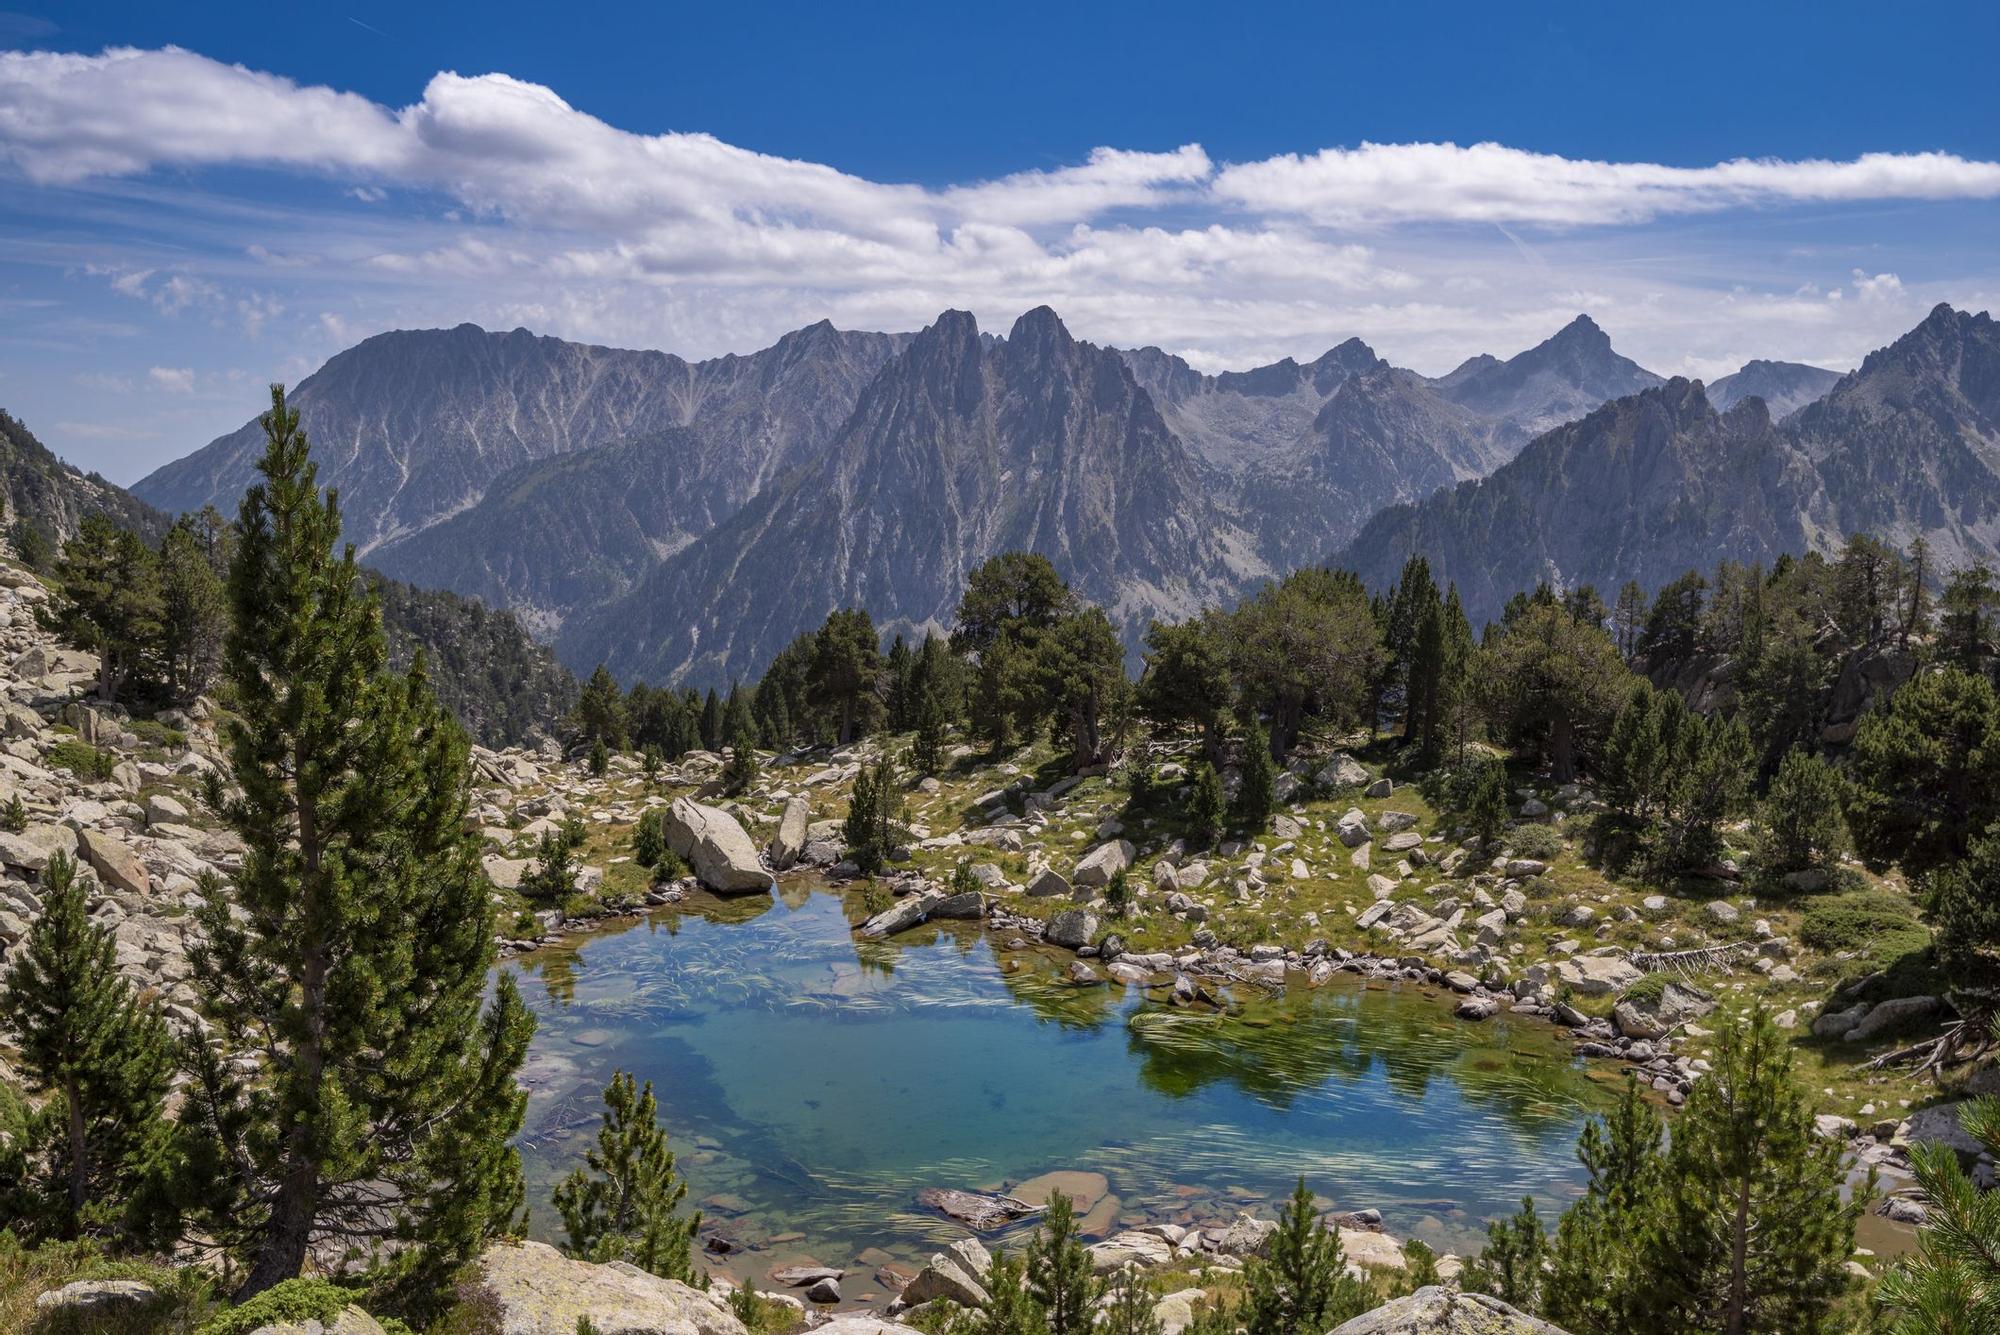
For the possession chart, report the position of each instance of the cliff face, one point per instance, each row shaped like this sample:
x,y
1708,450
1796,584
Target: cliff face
x,y
414,426
961,449
1648,487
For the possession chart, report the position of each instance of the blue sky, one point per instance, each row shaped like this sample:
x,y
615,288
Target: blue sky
x,y
197,199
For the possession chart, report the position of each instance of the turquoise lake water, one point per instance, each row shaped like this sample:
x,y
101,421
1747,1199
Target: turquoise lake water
x,y
813,1084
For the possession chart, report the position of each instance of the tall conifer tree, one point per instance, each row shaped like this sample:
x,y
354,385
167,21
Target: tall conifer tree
x,y
352,952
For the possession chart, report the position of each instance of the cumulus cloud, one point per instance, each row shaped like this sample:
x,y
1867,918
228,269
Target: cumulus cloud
x,y
492,199
173,379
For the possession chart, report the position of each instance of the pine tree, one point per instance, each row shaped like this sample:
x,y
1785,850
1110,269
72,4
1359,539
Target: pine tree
x,y
622,1205
739,734
1510,1267
874,818
711,721
1302,1286
846,670
600,710
1204,804
1802,823
1965,626
1010,1308
1747,1231
927,746
108,600
85,1038
1128,1305
898,700
1060,1278
649,840
1628,618
1256,795
1951,1285
552,879
1079,679
1486,808
356,942
1927,771
1590,1284
193,605
599,762
1187,679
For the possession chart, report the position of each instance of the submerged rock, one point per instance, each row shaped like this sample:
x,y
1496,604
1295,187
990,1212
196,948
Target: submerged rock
x,y
980,1211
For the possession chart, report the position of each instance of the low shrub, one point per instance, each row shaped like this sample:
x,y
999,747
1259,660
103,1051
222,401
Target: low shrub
x,y
1540,842
295,1300
1857,922
87,762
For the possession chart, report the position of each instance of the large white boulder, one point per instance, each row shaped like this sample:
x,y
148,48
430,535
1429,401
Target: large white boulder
x,y
716,847
1438,1310
536,1290
1103,862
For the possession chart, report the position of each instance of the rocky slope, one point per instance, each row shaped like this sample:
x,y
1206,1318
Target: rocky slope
x,y
961,449
1785,387
1649,487
40,490
414,425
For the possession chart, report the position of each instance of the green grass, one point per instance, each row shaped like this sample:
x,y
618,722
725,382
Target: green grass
x,y
26,1273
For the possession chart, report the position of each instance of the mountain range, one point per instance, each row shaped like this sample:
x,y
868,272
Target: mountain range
x,y
1650,486
681,521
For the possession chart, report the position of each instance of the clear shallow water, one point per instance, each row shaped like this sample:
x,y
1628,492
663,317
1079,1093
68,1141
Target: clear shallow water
x,y
813,1084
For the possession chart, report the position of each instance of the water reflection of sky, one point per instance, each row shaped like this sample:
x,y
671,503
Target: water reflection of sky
x,y
813,1084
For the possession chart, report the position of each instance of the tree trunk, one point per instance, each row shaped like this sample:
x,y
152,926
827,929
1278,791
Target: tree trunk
x,y
79,1149
1739,1282
1562,749
295,1206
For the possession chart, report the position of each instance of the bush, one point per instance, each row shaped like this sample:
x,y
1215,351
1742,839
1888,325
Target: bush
x,y
1647,990
649,841
1857,922
1540,842
295,1300
89,763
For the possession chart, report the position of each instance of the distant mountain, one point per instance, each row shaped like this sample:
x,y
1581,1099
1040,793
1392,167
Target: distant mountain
x,y
1909,444
1653,485
1240,419
1556,381
413,426
962,448
1644,488
1306,453
1785,387
46,494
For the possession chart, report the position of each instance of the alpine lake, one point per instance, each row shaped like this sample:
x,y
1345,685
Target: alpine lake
x,y
813,1083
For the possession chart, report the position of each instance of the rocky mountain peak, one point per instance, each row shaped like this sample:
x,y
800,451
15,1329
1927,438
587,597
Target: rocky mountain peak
x,y
1581,334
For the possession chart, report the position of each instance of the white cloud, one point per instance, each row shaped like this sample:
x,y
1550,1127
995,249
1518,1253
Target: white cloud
x,y
1397,183
1880,287
173,379
494,200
